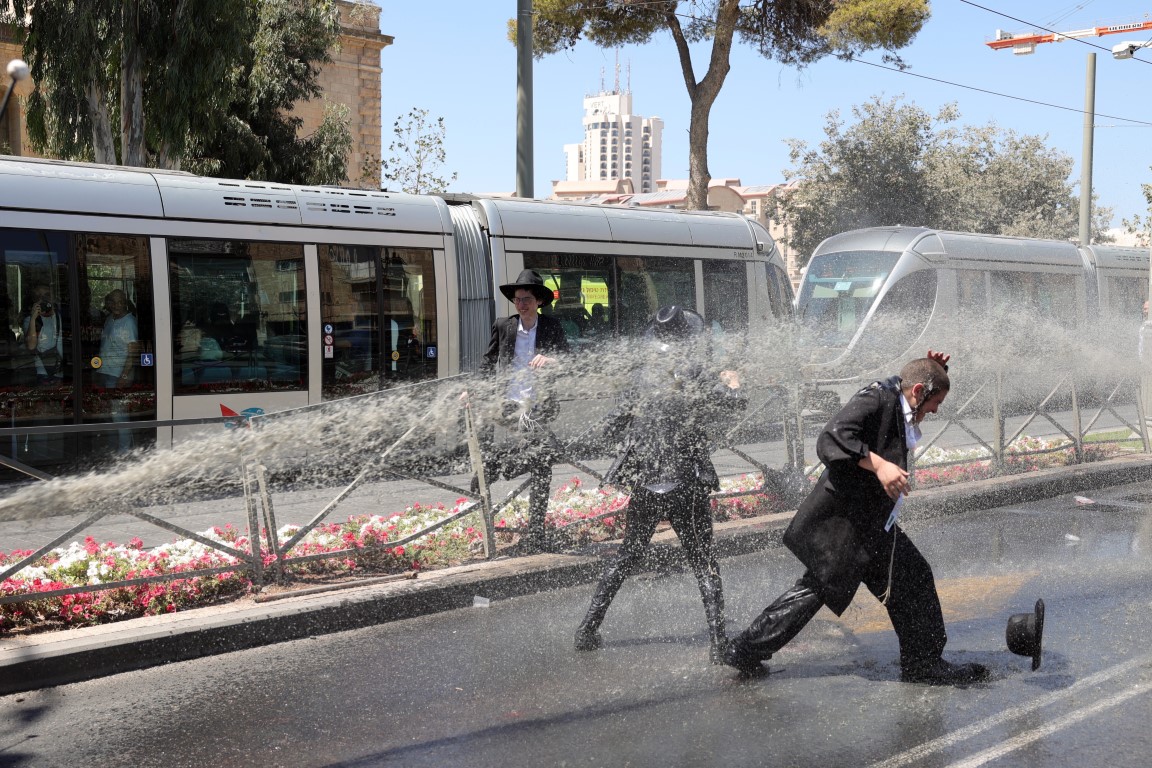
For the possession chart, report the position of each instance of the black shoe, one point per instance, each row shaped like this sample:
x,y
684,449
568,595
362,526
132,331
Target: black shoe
x,y
940,672
748,666
587,641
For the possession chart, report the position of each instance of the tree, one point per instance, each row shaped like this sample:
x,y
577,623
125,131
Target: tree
x,y
173,83
258,138
417,154
790,32
118,80
899,165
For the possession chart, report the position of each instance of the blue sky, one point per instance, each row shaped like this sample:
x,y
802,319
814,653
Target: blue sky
x,y
452,58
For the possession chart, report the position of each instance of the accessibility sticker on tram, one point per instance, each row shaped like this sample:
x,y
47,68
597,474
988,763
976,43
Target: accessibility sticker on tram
x,y
147,360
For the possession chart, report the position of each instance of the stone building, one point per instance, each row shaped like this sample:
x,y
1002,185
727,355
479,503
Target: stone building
x,y
351,78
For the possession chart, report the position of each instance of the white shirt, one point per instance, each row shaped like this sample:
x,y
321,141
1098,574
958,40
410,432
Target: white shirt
x,y
912,432
115,340
520,387
46,340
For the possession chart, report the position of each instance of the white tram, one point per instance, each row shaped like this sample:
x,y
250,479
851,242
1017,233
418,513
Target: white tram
x,y
921,279
253,296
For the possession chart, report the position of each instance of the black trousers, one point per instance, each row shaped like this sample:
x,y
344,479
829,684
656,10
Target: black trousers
x,y
913,606
517,457
687,510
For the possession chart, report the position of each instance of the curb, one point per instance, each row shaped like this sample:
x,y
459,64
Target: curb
x,y
56,658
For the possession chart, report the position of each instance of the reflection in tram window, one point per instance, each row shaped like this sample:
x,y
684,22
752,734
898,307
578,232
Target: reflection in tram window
x,y
583,301
839,289
37,364
116,338
238,316
381,306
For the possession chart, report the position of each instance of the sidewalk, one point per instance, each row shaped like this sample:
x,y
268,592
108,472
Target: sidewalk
x,y
55,658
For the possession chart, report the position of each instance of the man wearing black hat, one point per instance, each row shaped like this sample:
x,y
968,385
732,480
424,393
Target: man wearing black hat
x,y
664,461
845,531
520,345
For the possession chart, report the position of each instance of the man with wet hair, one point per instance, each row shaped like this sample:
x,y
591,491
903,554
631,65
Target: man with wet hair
x,y
846,532
663,425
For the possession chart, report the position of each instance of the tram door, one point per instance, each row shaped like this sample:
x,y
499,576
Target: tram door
x,y
379,310
115,342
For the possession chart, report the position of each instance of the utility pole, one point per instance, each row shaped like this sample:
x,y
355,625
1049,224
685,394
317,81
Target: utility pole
x,y
1086,153
1024,44
524,149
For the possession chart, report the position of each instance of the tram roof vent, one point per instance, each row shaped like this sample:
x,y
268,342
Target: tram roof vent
x,y
227,200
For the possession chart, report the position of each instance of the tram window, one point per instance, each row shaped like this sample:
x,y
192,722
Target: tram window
x,y
584,300
779,293
36,343
839,289
971,291
381,304
899,318
726,295
116,335
1126,297
1038,296
648,283
238,316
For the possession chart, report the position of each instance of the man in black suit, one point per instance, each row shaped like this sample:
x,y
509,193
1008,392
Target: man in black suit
x,y
520,345
665,421
845,531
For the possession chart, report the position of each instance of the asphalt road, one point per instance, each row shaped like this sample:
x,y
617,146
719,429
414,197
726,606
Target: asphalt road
x,y
501,686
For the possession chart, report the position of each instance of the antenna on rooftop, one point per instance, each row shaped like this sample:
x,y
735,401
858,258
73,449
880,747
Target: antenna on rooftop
x,y
616,88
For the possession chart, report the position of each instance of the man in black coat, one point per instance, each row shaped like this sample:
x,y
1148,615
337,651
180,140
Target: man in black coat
x,y
520,345
665,462
845,531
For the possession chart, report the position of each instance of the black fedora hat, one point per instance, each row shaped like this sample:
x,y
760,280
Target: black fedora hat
x,y
675,322
530,280
1025,634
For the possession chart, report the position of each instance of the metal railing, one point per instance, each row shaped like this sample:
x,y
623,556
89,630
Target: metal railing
x,y
267,557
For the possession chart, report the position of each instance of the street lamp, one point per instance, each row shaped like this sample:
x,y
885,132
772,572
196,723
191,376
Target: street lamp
x,y
1126,50
17,71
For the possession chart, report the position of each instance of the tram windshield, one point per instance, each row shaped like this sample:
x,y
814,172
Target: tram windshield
x,y
839,289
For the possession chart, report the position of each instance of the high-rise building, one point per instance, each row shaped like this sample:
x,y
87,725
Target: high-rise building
x,y
617,144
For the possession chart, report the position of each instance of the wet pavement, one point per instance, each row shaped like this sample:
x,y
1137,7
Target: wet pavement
x,y
501,685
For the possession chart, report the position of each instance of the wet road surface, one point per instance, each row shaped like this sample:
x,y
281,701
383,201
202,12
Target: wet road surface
x,y
501,686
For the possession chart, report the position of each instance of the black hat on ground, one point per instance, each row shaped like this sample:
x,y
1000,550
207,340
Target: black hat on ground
x,y
1025,633
673,322
532,281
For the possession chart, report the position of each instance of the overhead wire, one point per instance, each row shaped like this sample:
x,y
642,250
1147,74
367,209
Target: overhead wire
x,y
1134,122
1046,29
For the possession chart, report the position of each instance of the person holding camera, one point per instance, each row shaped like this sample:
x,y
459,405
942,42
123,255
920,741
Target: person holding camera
x,y
43,336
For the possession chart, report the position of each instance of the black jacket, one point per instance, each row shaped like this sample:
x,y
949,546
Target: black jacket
x,y
838,530
550,340
667,421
